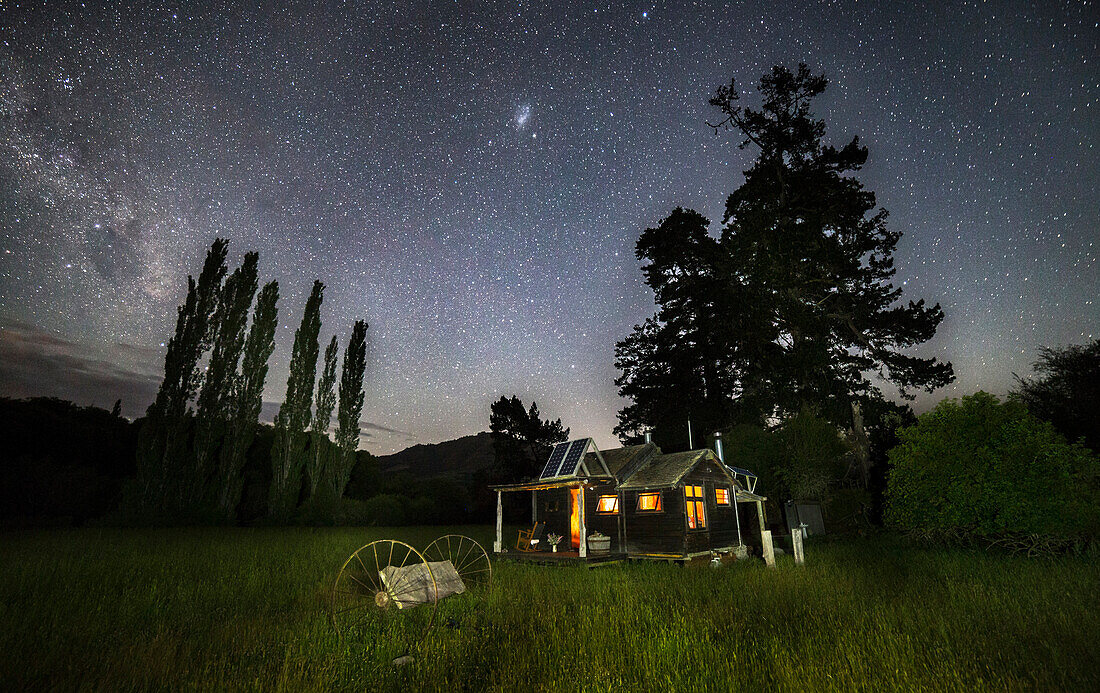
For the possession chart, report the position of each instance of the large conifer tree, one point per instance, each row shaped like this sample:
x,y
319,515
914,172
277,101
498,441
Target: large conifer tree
x,y
793,304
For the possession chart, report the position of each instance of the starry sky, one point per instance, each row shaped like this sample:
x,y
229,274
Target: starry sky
x,y
471,178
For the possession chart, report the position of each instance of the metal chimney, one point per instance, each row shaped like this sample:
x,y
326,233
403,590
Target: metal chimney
x,y
718,446
648,436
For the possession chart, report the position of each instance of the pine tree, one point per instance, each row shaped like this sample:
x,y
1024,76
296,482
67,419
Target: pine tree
x,y
350,409
247,399
294,415
163,456
322,417
521,439
214,408
792,306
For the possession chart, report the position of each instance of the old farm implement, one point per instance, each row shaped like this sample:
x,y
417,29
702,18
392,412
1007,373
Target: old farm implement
x,y
387,593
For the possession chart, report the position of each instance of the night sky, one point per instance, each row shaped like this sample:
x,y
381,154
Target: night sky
x,y
471,178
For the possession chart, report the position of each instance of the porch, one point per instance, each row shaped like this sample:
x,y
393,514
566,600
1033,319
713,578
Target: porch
x,y
592,560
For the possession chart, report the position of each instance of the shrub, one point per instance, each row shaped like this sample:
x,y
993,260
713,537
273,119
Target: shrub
x,y
383,510
980,470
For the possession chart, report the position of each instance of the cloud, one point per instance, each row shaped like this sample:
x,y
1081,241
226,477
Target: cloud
x,y
35,363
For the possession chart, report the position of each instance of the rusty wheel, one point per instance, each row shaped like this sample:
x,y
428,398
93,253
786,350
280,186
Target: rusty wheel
x,y
384,597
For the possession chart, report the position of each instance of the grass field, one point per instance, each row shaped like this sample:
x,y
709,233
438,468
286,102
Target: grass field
x,y
244,609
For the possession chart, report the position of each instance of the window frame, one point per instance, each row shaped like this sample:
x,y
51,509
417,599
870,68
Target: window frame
x,y
718,500
659,507
695,507
614,506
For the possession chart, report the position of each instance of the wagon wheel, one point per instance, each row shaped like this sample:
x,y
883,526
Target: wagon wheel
x,y
468,557
385,596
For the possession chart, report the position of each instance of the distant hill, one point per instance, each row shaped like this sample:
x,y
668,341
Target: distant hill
x,y
454,459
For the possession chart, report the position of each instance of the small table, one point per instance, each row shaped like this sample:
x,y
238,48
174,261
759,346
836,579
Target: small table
x,y
534,544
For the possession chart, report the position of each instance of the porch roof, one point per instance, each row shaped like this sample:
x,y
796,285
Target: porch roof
x,y
541,485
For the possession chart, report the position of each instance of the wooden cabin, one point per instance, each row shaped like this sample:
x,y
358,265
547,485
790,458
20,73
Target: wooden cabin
x,y
651,505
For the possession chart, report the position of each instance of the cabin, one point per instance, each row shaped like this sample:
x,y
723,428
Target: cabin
x,y
636,502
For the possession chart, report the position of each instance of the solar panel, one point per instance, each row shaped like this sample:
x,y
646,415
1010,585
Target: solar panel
x,y
551,468
569,463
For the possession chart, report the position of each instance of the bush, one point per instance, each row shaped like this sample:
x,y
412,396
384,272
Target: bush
x,y
384,510
980,470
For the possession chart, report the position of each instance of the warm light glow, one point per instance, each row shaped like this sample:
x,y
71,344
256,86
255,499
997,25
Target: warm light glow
x,y
722,496
608,504
649,501
575,518
696,513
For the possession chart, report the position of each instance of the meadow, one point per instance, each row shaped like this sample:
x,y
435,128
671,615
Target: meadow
x,y
231,609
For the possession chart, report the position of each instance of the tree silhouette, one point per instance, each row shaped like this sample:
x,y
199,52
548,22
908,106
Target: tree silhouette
x,y
792,306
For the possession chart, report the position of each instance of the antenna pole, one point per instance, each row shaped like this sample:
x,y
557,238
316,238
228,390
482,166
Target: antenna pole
x,y
691,445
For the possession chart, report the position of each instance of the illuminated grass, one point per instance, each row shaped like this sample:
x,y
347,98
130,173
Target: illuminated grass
x,y
244,609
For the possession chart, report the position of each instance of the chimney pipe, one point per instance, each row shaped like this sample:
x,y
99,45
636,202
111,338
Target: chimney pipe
x,y
648,436
718,446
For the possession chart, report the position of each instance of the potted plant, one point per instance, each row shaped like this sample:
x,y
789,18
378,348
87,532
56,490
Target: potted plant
x,y
553,540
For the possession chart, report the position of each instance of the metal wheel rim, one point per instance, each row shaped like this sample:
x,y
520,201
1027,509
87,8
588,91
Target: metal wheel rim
x,y
368,560
470,559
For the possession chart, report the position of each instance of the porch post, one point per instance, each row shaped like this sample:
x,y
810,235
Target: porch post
x,y
500,525
583,548
534,506
737,515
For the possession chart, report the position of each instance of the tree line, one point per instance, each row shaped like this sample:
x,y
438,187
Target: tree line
x,y
194,441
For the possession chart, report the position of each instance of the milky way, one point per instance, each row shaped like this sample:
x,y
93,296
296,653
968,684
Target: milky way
x,y
472,177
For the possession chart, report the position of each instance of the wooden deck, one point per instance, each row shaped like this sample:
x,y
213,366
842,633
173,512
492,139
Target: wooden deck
x,y
592,560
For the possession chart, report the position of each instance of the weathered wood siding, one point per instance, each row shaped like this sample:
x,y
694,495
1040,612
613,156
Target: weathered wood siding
x,y
607,524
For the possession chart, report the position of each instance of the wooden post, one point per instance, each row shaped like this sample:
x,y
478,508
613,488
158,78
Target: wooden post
x,y
497,545
583,548
769,550
796,542
621,521
534,506
737,515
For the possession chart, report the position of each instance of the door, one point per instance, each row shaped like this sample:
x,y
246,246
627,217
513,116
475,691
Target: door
x,y
575,518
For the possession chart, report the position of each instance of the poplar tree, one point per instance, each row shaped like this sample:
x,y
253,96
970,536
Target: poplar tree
x,y
214,408
294,415
247,399
162,450
322,417
350,409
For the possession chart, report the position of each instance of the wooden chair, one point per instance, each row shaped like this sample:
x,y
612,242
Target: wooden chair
x,y
523,542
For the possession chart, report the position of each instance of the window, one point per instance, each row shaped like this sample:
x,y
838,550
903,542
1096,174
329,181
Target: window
x,y
649,501
722,496
696,513
607,504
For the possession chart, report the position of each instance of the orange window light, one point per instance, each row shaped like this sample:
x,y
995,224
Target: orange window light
x,y
608,504
649,501
722,496
696,514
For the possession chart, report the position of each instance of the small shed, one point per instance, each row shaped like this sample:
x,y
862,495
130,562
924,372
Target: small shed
x,y
649,504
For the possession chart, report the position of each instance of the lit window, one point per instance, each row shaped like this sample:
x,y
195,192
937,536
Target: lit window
x,y
722,496
696,514
608,504
649,501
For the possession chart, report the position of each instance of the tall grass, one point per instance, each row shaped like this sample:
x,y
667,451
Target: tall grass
x,y
244,609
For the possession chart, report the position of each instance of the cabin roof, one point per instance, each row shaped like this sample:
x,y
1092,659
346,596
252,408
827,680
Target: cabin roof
x,y
665,471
